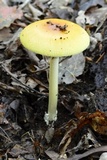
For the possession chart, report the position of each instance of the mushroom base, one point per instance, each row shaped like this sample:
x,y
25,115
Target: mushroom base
x,y
47,118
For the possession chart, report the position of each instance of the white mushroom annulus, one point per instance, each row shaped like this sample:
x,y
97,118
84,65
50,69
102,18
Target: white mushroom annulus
x,y
54,38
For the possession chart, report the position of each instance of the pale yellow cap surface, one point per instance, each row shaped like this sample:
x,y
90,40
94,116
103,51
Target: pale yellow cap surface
x,y
55,38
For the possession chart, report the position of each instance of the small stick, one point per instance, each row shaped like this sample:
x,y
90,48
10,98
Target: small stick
x,y
101,56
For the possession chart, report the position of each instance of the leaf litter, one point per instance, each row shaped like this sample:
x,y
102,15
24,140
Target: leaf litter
x,y
71,68
24,85
8,15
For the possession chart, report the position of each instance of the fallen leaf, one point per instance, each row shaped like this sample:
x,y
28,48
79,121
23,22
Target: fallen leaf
x,y
5,34
103,156
49,134
3,110
8,15
17,150
52,154
36,13
85,5
94,17
70,68
60,8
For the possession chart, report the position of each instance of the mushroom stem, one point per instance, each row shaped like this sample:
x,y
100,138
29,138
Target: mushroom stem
x,y
53,90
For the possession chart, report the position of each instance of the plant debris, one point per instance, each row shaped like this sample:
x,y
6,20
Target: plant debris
x,y
81,129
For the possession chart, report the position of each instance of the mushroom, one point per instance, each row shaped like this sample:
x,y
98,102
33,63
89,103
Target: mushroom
x,y
54,38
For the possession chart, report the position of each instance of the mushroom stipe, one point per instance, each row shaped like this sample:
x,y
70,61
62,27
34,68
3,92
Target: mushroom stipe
x,y
54,38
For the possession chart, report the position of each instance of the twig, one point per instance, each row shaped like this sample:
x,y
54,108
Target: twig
x,y
6,135
101,56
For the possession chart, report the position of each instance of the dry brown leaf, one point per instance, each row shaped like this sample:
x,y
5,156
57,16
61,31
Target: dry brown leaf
x,y
8,15
5,34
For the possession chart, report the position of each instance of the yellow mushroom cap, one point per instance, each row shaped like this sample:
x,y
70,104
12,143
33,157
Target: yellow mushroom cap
x,y
55,38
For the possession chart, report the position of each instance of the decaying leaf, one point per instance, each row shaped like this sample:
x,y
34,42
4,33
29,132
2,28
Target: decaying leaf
x,y
3,110
70,68
88,4
60,8
35,12
103,156
92,18
31,83
49,134
17,150
8,15
97,120
13,43
52,154
5,34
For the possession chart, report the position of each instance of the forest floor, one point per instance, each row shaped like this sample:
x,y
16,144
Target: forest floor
x,y
80,131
